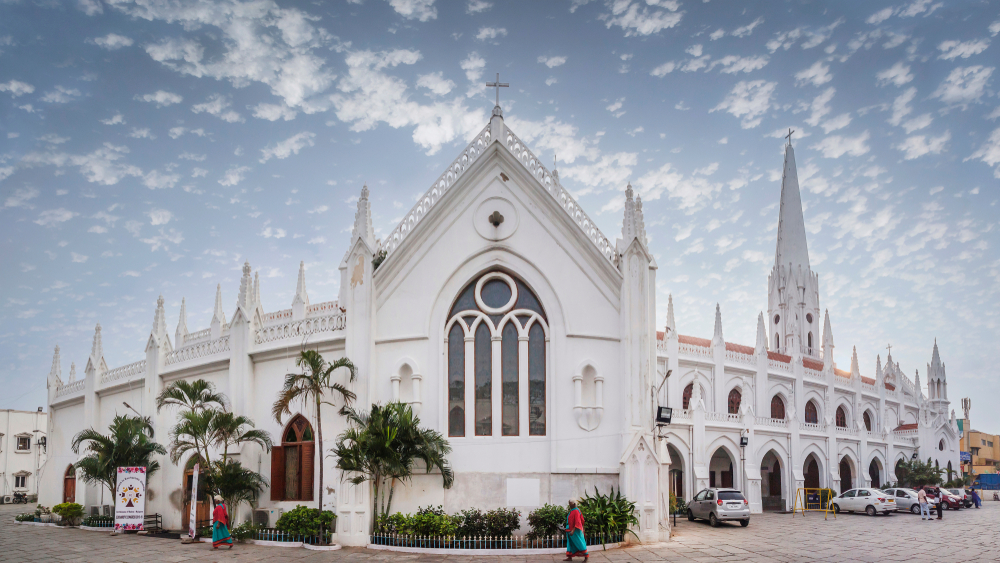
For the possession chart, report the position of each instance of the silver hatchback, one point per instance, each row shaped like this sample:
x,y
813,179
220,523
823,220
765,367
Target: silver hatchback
x,y
717,505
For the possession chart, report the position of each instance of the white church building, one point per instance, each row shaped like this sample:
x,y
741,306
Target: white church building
x,y
514,327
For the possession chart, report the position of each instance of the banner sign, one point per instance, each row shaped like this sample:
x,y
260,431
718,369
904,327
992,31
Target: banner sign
x,y
130,498
193,519
966,456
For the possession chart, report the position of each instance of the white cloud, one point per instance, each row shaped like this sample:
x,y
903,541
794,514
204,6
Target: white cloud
x,y
476,6
994,28
490,33
989,152
901,106
717,34
555,136
880,16
817,75
436,83
61,95
663,69
192,157
16,88
746,30
21,198
748,101
159,216
918,123
112,41
608,170
694,50
234,175
320,209
97,229
317,240
78,258
920,145
273,112
53,139
163,240
693,193
161,98
29,313
955,49
615,106
218,105
836,146
920,7
100,166
422,10
897,75
551,80
963,85
552,62
473,66
157,180
733,64
273,233
53,217
288,147
636,18
117,119
143,133
835,123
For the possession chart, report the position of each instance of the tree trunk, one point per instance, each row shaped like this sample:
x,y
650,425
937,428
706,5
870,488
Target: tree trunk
x,y
319,434
392,489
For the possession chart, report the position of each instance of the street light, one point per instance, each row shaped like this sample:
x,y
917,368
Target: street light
x,y
130,407
744,441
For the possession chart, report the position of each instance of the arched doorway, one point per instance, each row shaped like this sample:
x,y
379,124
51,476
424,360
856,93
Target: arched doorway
x,y
676,473
811,473
772,496
846,475
875,473
720,469
293,462
203,508
902,475
69,484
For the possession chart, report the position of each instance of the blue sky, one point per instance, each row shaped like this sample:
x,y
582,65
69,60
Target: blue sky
x,y
148,147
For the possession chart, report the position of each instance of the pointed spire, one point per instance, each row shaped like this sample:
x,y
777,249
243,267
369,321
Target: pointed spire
x,y
671,323
856,368
159,320
761,347
640,220
245,298
300,287
791,247
218,314
916,384
717,339
182,330
72,372
632,224
363,220
256,289
827,330
878,365
97,348
55,374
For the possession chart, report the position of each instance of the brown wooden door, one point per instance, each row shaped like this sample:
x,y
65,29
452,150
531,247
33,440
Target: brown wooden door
x,y
69,488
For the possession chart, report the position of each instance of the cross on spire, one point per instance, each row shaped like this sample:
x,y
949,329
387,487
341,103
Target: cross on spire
x,y
498,85
789,135
889,347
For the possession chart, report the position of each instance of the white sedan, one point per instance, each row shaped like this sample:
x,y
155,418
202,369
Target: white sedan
x,y
871,501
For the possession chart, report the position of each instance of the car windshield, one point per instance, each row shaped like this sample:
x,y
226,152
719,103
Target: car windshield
x,y
730,495
956,491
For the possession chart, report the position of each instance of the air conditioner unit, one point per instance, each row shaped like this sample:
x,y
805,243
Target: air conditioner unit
x,y
272,515
260,517
95,510
106,509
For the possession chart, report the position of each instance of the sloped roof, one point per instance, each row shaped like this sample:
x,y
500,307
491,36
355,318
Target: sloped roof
x,y
842,372
740,348
905,427
779,357
868,380
812,364
694,341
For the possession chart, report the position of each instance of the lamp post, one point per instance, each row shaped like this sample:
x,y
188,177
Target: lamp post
x,y
744,440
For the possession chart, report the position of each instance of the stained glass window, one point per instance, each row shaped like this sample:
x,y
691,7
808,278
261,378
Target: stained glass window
x,y
536,381
456,381
509,357
686,402
812,416
484,381
734,401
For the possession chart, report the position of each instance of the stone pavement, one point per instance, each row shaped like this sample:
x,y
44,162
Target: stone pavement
x,y
769,538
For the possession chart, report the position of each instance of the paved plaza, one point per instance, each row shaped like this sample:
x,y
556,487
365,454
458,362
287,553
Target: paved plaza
x,y
769,538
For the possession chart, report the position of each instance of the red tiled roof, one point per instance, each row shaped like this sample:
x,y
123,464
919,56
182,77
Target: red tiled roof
x,y
694,341
842,373
660,335
905,427
740,348
812,364
779,357
868,380
890,386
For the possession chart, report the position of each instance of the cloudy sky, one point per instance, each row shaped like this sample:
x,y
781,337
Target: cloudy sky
x,y
149,146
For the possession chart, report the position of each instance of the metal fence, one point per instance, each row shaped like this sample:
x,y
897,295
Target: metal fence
x,y
271,534
484,542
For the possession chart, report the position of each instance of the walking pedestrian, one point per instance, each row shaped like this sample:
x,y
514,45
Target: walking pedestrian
x,y
925,513
576,544
975,499
220,530
938,495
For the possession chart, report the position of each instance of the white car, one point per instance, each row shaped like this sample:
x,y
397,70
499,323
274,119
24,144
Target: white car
x,y
906,499
871,501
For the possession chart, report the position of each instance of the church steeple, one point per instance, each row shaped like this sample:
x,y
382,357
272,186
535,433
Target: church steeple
x,y
791,248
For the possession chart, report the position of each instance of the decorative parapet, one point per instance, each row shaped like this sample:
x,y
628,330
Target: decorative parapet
x,y
201,350
277,316
322,309
197,337
563,197
868,387
693,349
875,435
813,374
304,327
661,345
740,358
778,365
771,422
70,388
125,372
811,427
682,414
722,417
847,430
445,181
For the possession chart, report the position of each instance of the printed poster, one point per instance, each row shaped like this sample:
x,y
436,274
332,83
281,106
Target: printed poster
x,y
193,519
130,498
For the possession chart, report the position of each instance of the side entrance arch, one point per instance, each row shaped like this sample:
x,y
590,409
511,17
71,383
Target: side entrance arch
x,y
846,475
202,508
772,493
69,484
875,473
811,473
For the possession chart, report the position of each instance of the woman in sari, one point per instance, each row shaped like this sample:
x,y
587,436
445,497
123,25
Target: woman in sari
x,y
220,529
575,542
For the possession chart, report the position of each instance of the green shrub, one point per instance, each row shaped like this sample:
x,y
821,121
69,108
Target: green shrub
x,y
546,521
608,515
677,505
243,532
304,521
471,523
26,517
205,532
98,521
39,510
432,524
501,522
71,512
393,523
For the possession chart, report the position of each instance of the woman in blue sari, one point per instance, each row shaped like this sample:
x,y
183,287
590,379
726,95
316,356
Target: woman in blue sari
x,y
220,529
576,544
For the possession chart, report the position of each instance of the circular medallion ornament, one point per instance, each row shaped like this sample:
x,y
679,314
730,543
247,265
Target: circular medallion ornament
x,y
500,276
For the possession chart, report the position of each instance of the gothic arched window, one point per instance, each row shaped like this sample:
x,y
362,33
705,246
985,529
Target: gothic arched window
x,y
686,404
812,416
841,417
498,323
777,343
868,421
734,401
777,408
810,342
293,462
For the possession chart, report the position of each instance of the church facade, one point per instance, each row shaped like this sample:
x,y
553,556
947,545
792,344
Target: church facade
x,y
513,326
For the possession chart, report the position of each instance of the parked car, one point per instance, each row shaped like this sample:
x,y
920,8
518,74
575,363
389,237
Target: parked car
x,y
906,499
964,496
717,505
950,500
871,501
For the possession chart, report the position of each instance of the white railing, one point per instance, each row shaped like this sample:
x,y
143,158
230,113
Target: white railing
x,y
847,430
196,351
661,345
694,349
445,181
304,327
324,308
811,427
740,357
772,422
125,372
563,197
912,433
722,417
682,414
70,388
196,337
868,387
277,316
876,435
813,374
778,365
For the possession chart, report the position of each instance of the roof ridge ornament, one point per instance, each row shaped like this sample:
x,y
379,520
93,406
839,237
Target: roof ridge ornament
x,y
497,85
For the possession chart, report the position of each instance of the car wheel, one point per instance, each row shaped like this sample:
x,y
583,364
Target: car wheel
x,y
690,515
745,523
870,511
914,509
836,509
713,520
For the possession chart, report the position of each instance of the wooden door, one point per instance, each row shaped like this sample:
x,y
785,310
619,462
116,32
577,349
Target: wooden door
x,y
69,485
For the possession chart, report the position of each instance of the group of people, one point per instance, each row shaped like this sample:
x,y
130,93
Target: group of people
x,y
930,497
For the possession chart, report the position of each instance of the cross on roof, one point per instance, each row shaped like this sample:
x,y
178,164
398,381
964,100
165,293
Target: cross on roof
x,y
789,135
889,347
498,85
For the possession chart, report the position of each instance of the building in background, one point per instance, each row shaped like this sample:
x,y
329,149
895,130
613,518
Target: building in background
x,y
984,451
22,451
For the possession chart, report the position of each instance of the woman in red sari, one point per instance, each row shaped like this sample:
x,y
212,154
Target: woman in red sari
x,y
576,545
220,529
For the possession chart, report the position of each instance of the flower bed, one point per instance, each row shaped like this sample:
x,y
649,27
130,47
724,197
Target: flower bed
x,y
484,545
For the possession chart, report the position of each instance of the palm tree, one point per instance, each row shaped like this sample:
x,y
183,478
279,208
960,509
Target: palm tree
x,y
193,431
190,395
382,447
236,484
228,429
312,384
129,443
